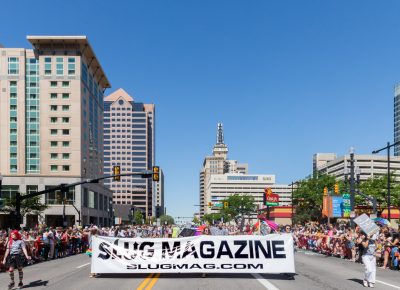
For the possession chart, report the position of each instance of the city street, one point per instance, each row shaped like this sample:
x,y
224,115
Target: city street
x,y
314,271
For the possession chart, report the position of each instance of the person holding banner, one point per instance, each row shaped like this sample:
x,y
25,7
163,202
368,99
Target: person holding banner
x,y
369,259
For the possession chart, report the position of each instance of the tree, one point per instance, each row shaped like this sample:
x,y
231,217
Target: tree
x,y
138,217
377,187
239,206
212,218
307,197
166,219
195,220
31,206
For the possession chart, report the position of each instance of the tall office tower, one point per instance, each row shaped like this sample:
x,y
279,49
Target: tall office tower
x,y
397,119
216,164
51,104
129,142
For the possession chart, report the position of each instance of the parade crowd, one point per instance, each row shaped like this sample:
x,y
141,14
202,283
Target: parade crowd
x,y
344,242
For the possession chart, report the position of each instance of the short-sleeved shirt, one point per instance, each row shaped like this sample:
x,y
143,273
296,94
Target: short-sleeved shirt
x,y
16,247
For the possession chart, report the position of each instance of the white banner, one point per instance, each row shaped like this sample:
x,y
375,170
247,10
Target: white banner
x,y
201,254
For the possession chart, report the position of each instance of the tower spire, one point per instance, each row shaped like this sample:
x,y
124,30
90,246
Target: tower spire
x,y
220,134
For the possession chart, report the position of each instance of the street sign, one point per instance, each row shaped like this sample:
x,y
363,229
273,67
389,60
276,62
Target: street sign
x,y
346,205
337,206
272,199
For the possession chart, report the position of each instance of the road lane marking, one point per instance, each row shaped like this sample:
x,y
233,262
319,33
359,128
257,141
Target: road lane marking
x,y
387,284
264,282
145,282
153,281
81,266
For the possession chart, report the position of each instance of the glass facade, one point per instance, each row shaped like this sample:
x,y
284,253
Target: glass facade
x,y
13,65
13,127
32,153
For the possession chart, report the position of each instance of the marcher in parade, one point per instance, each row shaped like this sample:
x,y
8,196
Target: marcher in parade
x,y
13,257
369,260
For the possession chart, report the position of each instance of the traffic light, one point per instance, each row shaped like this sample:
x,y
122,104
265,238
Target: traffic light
x,y
156,173
336,188
325,190
209,204
226,204
117,171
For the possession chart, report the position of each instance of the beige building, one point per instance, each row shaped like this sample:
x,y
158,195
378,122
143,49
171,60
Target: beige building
x,y
51,126
366,166
321,159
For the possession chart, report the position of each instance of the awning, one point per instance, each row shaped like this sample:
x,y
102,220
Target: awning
x,y
394,213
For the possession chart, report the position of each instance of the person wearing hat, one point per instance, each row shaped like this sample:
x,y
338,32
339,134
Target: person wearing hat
x,y
368,243
13,257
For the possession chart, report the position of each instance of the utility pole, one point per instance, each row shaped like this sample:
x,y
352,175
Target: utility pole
x,y
352,186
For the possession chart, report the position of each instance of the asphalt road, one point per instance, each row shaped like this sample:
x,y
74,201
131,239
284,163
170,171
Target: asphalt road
x,y
313,272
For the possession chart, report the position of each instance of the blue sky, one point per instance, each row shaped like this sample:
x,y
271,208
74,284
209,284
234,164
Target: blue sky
x,y
286,78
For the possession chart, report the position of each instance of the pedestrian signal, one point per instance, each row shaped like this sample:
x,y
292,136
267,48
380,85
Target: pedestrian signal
x,y
156,173
116,171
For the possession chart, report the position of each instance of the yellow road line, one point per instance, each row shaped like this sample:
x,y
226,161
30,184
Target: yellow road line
x,y
153,281
145,282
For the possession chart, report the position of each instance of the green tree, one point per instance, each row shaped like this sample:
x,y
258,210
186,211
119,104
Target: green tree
x,y
138,217
377,187
215,217
31,206
195,220
166,219
239,207
308,195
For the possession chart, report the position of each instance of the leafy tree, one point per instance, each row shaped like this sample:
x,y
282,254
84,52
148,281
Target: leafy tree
x,y
167,218
377,187
308,195
215,217
195,220
138,217
31,206
239,206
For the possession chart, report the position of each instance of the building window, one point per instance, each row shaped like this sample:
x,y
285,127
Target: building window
x,y
65,156
65,108
65,143
53,108
65,131
65,84
47,66
59,66
53,143
53,156
65,167
65,96
71,66
53,168
65,119
53,96
13,65
53,120
53,132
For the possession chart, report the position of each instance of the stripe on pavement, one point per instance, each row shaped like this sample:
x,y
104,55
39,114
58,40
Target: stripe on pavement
x,y
264,282
81,266
145,282
153,281
387,284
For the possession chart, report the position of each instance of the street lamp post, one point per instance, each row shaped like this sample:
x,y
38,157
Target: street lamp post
x,y
352,186
387,147
293,183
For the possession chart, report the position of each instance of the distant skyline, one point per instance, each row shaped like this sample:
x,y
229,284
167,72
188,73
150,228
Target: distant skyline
x,y
286,78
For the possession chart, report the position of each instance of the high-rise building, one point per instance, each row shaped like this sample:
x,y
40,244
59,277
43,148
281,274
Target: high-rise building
x,y
51,129
217,164
129,142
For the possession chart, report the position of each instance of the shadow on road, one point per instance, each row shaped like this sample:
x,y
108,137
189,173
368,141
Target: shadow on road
x,y
359,281
198,275
36,283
